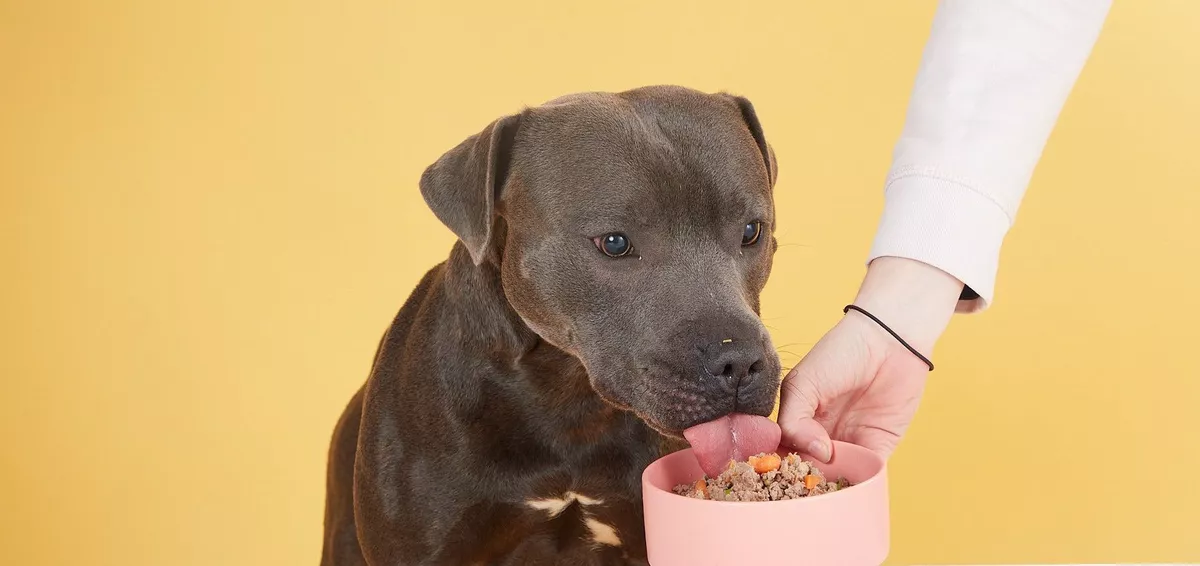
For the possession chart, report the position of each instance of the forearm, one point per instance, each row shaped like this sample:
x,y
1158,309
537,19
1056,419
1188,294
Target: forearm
x,y
914,299
993,79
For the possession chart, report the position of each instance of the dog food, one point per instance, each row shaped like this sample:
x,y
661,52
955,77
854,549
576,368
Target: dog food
x,y
765,477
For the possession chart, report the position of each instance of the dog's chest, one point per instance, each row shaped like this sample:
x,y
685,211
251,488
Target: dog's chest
x,y
603,520
597,506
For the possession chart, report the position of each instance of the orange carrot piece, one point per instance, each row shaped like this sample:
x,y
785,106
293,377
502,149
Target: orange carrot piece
x,y
811,481
702,487
766,463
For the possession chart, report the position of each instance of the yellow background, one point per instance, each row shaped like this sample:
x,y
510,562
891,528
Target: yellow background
x,y
210,212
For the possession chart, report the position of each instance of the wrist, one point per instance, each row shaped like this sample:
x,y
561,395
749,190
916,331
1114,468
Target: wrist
x,y
913,298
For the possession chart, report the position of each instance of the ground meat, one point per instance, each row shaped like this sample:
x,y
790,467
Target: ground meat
x,y
763,478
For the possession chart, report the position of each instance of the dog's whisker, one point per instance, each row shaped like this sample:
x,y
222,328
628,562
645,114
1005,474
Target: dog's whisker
x,y
788,351
790,344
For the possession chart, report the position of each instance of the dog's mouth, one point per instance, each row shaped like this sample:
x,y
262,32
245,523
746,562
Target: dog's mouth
x,y
733,437
720,419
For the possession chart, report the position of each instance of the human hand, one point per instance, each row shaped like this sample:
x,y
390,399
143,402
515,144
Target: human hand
x,y
859,384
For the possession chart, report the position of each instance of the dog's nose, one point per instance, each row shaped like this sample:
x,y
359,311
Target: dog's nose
x,y
735,361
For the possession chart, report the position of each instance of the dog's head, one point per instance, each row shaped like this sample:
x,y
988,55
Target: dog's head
x,y
637,235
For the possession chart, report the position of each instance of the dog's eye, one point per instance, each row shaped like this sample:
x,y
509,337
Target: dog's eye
x,y
613,245
751,232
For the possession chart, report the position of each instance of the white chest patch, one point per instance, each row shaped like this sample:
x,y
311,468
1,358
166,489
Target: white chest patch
x,y
601,533
554,506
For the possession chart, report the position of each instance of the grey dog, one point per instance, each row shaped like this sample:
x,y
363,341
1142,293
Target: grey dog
x,y
602,297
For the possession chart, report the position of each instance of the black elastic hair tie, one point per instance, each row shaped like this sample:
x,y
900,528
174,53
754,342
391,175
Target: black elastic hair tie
x,y
890,331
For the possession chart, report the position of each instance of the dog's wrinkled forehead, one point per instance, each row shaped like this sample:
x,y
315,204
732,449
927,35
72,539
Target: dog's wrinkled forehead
x,y
639,153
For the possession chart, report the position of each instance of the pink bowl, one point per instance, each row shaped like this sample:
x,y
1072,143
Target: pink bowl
x,y
847,527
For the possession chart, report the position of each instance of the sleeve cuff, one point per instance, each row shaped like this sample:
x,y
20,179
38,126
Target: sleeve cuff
x,y
946,224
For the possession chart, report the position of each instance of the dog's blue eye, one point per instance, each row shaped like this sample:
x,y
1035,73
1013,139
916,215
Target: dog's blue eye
x,y
751,233
613,245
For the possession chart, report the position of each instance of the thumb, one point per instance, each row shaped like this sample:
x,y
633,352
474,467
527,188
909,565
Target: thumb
x,y
798,403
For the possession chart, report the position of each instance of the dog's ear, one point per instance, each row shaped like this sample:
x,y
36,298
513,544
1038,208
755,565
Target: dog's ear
x,y
751,118
463,185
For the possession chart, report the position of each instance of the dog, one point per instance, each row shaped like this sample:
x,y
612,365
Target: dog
x,y
600,302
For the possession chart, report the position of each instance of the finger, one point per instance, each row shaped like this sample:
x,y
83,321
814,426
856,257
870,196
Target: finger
x,y
798,405
808,436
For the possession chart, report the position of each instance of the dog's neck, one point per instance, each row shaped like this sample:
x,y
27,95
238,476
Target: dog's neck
x,y
480,311
555,382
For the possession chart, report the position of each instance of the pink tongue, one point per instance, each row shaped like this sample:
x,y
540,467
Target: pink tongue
x,y
732,437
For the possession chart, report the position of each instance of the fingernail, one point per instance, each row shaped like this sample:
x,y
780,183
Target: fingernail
x,y
819,450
